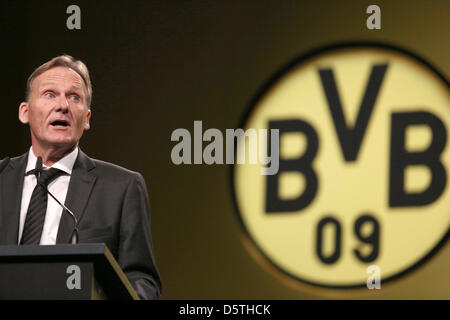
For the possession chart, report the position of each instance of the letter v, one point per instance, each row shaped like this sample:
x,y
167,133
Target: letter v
x,y
351,138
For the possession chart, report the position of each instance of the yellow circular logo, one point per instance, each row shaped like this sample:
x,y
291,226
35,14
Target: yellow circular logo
x,y
363,166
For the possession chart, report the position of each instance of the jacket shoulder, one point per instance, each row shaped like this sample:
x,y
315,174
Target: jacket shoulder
x,y
16,161
114,171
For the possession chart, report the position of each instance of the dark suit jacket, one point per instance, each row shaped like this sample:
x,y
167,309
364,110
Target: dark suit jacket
x,y
111,205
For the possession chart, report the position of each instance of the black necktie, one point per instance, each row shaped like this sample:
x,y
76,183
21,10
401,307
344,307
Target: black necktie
x,y
34,222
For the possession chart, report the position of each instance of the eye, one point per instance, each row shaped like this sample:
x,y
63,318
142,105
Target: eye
x,y
75,97
49,94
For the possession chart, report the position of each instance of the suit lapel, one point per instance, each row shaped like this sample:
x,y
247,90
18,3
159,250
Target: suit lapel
x,y
11,188
80,188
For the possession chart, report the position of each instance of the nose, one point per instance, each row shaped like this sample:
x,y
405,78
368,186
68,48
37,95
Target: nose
x,y
62,104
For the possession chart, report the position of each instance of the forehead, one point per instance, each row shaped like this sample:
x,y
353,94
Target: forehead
x,y
61,76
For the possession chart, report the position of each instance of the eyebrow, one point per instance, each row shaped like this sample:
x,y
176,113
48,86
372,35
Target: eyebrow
x,y
75,88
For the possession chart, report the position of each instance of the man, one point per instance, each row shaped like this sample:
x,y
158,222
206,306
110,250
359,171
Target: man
x,y
109,202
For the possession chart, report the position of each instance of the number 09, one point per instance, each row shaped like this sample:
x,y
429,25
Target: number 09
x,y
372,239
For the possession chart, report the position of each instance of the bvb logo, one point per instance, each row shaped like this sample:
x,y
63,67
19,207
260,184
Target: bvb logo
x,y
363,172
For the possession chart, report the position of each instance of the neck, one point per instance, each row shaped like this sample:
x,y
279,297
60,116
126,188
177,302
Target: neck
x,y
52,155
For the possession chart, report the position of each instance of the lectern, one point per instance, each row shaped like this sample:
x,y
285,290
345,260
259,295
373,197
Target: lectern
x,y
82,272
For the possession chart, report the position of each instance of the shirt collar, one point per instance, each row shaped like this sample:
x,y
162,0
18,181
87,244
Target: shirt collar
x,y
65,164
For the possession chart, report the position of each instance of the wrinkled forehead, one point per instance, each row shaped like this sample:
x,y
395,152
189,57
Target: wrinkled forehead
x,y
63,77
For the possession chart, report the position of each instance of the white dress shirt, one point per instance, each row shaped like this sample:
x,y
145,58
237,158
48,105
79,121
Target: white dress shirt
x,y
57,187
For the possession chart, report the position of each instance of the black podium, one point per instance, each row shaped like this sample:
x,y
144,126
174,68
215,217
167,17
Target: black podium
x,y
81,272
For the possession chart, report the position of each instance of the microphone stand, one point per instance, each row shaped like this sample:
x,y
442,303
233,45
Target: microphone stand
x,y
38,172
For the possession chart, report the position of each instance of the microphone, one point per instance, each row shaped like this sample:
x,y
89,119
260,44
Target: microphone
x,y
4,164
38,172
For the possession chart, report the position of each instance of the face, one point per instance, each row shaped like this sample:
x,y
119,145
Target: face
x,y
56,110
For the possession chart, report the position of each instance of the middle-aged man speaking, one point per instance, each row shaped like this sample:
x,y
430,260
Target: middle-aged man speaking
x,y
110,203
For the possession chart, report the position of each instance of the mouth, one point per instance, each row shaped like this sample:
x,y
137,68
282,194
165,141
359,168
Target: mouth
x,y
60,124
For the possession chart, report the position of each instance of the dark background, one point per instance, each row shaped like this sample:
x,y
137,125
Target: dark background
x,y
160,65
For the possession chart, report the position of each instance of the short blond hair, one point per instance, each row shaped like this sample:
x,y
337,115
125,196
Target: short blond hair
x,y
63,61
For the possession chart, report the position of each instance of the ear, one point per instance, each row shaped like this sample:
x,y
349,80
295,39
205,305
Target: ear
x,y
24,112
87,126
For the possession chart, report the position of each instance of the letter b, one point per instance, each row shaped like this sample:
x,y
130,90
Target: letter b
x,y
303,164
401,158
